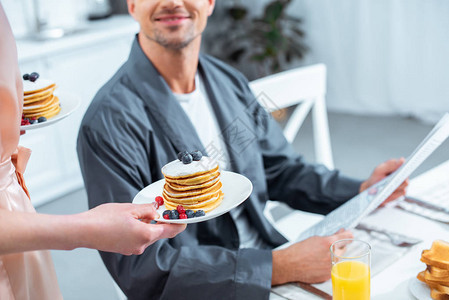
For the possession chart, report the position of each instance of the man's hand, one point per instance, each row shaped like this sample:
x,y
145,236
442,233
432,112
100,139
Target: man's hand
x,y
307,261
382,171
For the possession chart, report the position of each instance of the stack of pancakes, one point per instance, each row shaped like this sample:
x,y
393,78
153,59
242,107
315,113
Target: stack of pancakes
x,y
436,276
38,99
195,185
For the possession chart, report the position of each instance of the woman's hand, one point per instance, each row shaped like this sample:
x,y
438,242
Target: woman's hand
x,y
125,228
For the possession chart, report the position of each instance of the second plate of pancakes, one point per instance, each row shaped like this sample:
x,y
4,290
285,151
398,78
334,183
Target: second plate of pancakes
x,y
236,189
68,104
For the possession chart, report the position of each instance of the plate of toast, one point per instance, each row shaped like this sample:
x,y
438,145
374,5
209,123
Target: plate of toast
x,y
433,282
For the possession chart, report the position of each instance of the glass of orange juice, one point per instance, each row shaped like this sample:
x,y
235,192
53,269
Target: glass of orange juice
x,y
350,270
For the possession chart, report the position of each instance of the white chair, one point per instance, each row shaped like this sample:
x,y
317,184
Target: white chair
x,y
120,294
304,87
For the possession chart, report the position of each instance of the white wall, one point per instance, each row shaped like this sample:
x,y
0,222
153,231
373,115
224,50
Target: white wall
x,y
57,13
383,56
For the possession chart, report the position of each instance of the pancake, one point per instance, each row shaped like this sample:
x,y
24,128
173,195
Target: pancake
x,y
48,105
47,110
181,188
48,114
193,199
48,93
38,100
195,180
39,85
189,193
206,206
38,103
195,185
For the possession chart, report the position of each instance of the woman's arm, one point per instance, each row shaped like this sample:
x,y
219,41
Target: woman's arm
x,y
112,228
121,228
11,97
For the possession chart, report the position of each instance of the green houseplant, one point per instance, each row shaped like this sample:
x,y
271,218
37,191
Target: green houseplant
x,y
269,42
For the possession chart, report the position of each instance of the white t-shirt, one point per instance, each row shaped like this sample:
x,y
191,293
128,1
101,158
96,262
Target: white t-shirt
x,y
200,112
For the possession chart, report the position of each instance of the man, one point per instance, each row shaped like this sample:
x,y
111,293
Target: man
x,y
169,98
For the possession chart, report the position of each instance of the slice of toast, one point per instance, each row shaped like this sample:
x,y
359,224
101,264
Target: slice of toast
x,y
438,287
435,280
438,255
437,272
437,295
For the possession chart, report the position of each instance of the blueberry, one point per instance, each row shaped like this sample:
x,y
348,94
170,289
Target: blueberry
x,y
181,154
166,212
190,213
200,213
196,155
187,159
26,76
34,76
42,119
174,214
33,121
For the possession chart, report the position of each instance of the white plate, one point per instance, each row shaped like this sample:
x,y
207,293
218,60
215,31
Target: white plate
x,y
236,189
69,104
419,289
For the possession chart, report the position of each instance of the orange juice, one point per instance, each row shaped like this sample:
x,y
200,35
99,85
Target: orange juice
x,y
350,281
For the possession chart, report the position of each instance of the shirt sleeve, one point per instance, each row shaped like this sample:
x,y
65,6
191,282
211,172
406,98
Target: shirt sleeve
x,y
290,179
115,165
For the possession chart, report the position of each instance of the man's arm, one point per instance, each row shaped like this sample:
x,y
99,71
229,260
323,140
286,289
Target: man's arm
x,y
307,261
114,170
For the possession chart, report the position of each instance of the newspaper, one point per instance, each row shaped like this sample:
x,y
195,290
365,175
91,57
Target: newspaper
x,y
353,211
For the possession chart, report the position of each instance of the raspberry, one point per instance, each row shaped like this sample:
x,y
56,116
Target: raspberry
x,y
182,216
166,213
180,209
166,217
159,200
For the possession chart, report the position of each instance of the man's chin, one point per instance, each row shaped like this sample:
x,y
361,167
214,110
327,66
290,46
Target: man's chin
x,y
174,44
177,46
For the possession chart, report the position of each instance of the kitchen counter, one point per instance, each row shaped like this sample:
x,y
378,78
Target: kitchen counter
x,y
89,34
80,64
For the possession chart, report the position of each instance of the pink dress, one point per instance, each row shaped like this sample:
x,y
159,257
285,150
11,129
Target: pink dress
x,y
27,275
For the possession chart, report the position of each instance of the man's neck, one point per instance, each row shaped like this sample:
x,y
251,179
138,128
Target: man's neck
x,y
177,67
